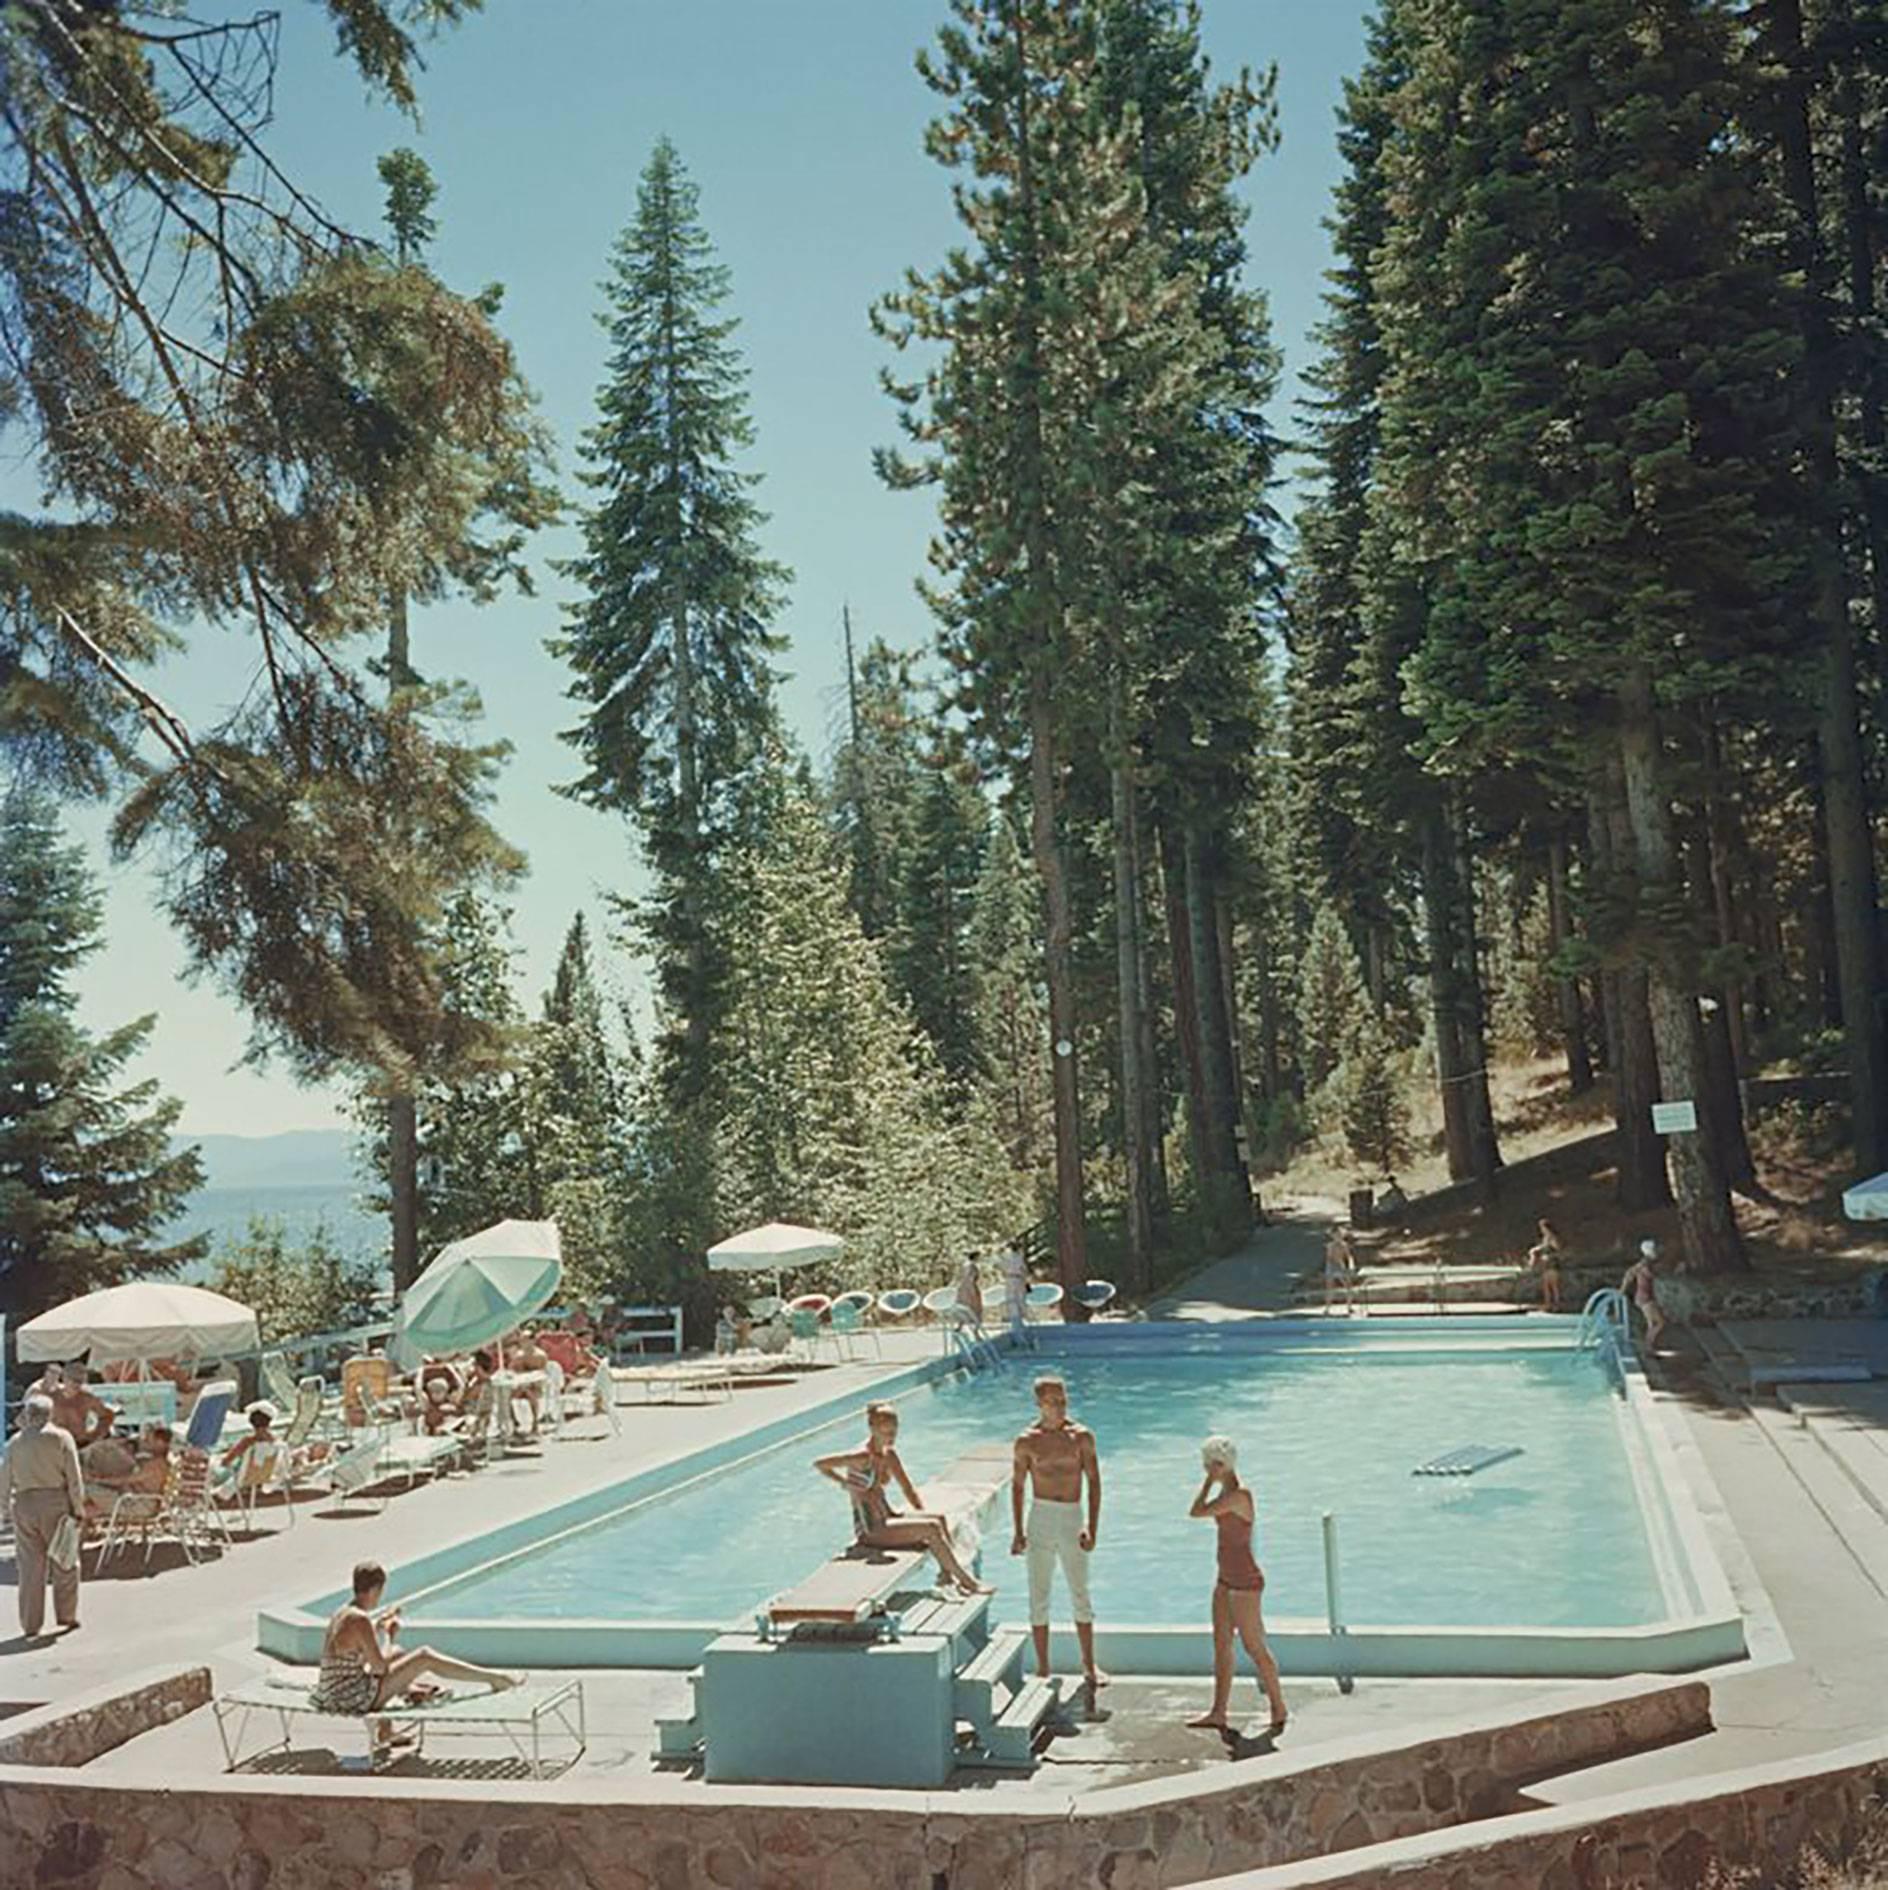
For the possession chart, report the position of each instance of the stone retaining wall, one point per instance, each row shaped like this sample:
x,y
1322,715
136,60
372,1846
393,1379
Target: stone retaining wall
x,y
1669,1837
74,1732
585,1833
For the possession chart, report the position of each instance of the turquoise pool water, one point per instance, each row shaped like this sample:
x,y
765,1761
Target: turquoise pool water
x,y
1553,1538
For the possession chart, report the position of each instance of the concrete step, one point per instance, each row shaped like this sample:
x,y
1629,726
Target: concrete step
x,y
1834,1487
1843,1420
1011,1741
983,1690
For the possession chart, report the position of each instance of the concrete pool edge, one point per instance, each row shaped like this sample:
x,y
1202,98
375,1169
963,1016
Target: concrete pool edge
x,y
1710,1635
295,1633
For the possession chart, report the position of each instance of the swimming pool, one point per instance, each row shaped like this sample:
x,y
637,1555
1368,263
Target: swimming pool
x,y
1582,1548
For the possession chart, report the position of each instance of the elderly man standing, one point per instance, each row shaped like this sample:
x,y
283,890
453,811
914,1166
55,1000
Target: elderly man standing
x,y
40,1472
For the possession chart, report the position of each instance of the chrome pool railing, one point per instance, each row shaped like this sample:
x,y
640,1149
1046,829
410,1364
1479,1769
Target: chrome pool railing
x,y
1334,1605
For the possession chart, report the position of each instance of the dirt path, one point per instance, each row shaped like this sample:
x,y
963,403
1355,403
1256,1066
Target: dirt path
x,y
1258,1278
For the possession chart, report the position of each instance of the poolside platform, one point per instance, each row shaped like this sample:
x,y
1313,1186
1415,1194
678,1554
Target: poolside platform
x,y
1804,1351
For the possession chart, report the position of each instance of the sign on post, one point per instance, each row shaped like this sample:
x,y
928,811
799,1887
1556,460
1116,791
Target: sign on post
x,y
1674,1118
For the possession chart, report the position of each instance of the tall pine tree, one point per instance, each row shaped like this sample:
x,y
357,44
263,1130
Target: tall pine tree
x,y
88,1171
670,639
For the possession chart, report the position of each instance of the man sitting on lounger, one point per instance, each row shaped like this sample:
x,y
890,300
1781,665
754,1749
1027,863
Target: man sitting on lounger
x,y
362,1668
867,1474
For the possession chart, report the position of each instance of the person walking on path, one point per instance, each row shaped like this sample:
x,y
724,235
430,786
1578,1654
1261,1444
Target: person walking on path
x,y
1340,1270
1227,1503
40,1474
1054,1460
1015,1288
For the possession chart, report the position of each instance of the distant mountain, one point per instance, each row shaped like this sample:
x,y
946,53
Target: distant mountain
x,y
299,1158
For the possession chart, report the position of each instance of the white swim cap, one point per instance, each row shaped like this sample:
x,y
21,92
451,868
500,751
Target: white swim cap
x,y
1219,1453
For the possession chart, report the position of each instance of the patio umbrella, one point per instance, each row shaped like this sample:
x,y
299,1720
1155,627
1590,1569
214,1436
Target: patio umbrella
x,y
772,1249
143,1319
1867,1200
478,1289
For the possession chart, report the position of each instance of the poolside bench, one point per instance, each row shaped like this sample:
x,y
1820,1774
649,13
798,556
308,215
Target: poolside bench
x,y
524,1715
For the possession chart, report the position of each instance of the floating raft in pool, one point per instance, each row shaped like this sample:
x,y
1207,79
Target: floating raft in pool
x,y
1466,1459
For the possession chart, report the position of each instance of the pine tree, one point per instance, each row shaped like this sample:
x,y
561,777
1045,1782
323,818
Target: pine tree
x,y
576,1133
1605,526
1368,1096
829,1107
1012,1013
931,956
670,641
88,1169
1331,1003
877,776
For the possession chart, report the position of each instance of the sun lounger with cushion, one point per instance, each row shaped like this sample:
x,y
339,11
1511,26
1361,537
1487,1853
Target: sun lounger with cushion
x,y
523,1715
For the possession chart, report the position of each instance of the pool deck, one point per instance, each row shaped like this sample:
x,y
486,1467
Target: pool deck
x,y
1805,1548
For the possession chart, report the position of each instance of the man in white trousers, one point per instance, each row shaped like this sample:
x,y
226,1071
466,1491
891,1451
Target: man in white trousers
x,y
1055,1460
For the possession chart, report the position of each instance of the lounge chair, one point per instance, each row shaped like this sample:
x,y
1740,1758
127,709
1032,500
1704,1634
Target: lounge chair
x,y
415,1456
186,1512
264,1467
203,1429
275,1381
353,1471
308,1418
522,1714
364,1377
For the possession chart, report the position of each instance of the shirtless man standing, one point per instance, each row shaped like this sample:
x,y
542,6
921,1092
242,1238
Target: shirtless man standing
x,y
1053,1458
81,1414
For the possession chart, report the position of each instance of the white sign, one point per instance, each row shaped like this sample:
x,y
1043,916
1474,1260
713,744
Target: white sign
x,y
1674,1118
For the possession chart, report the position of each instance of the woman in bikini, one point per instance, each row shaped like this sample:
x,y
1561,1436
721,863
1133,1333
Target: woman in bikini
x,y
1228,1504
866,1475
362,1669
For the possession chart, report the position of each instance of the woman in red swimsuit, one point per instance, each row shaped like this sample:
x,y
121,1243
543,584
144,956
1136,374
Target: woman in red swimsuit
x,y
1228,1503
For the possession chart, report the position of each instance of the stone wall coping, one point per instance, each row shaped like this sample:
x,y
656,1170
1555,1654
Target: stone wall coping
x,y
1460,1843
1681,1705
167,1692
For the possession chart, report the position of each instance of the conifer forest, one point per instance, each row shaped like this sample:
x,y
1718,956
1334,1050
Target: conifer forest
x,y
1268,775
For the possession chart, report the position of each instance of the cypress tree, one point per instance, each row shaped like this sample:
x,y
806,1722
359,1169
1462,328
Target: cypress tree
x,y
88,1171
670,640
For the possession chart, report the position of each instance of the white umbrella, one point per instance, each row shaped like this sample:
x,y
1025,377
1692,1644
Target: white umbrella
x,y
1867,1200
773,1248
478,1289
143,1319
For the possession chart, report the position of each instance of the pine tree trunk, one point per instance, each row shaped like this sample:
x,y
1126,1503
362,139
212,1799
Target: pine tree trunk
x,y
1186,1009
1705,1218
1229,1189
1852,888
1821,972
1058,963
1718,852
1572,1010
1643,1182
1127,939
1474,1007
1455,1004
1153,1095
403,1187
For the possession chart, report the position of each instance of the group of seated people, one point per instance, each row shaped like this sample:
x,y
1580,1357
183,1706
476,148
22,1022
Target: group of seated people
x,y
451,1390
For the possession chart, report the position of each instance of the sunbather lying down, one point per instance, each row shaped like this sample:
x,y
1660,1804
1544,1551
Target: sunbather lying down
x,y
363,1669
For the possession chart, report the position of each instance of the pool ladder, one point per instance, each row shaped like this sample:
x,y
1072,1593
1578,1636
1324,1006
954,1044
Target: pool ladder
x,y
1606,1327
976,1350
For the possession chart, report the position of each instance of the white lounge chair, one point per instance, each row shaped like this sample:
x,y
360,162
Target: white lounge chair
x,y
355,1471
264,1468
523,1715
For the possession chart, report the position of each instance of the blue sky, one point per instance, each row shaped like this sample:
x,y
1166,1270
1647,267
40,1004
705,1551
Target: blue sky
x,y
800,120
